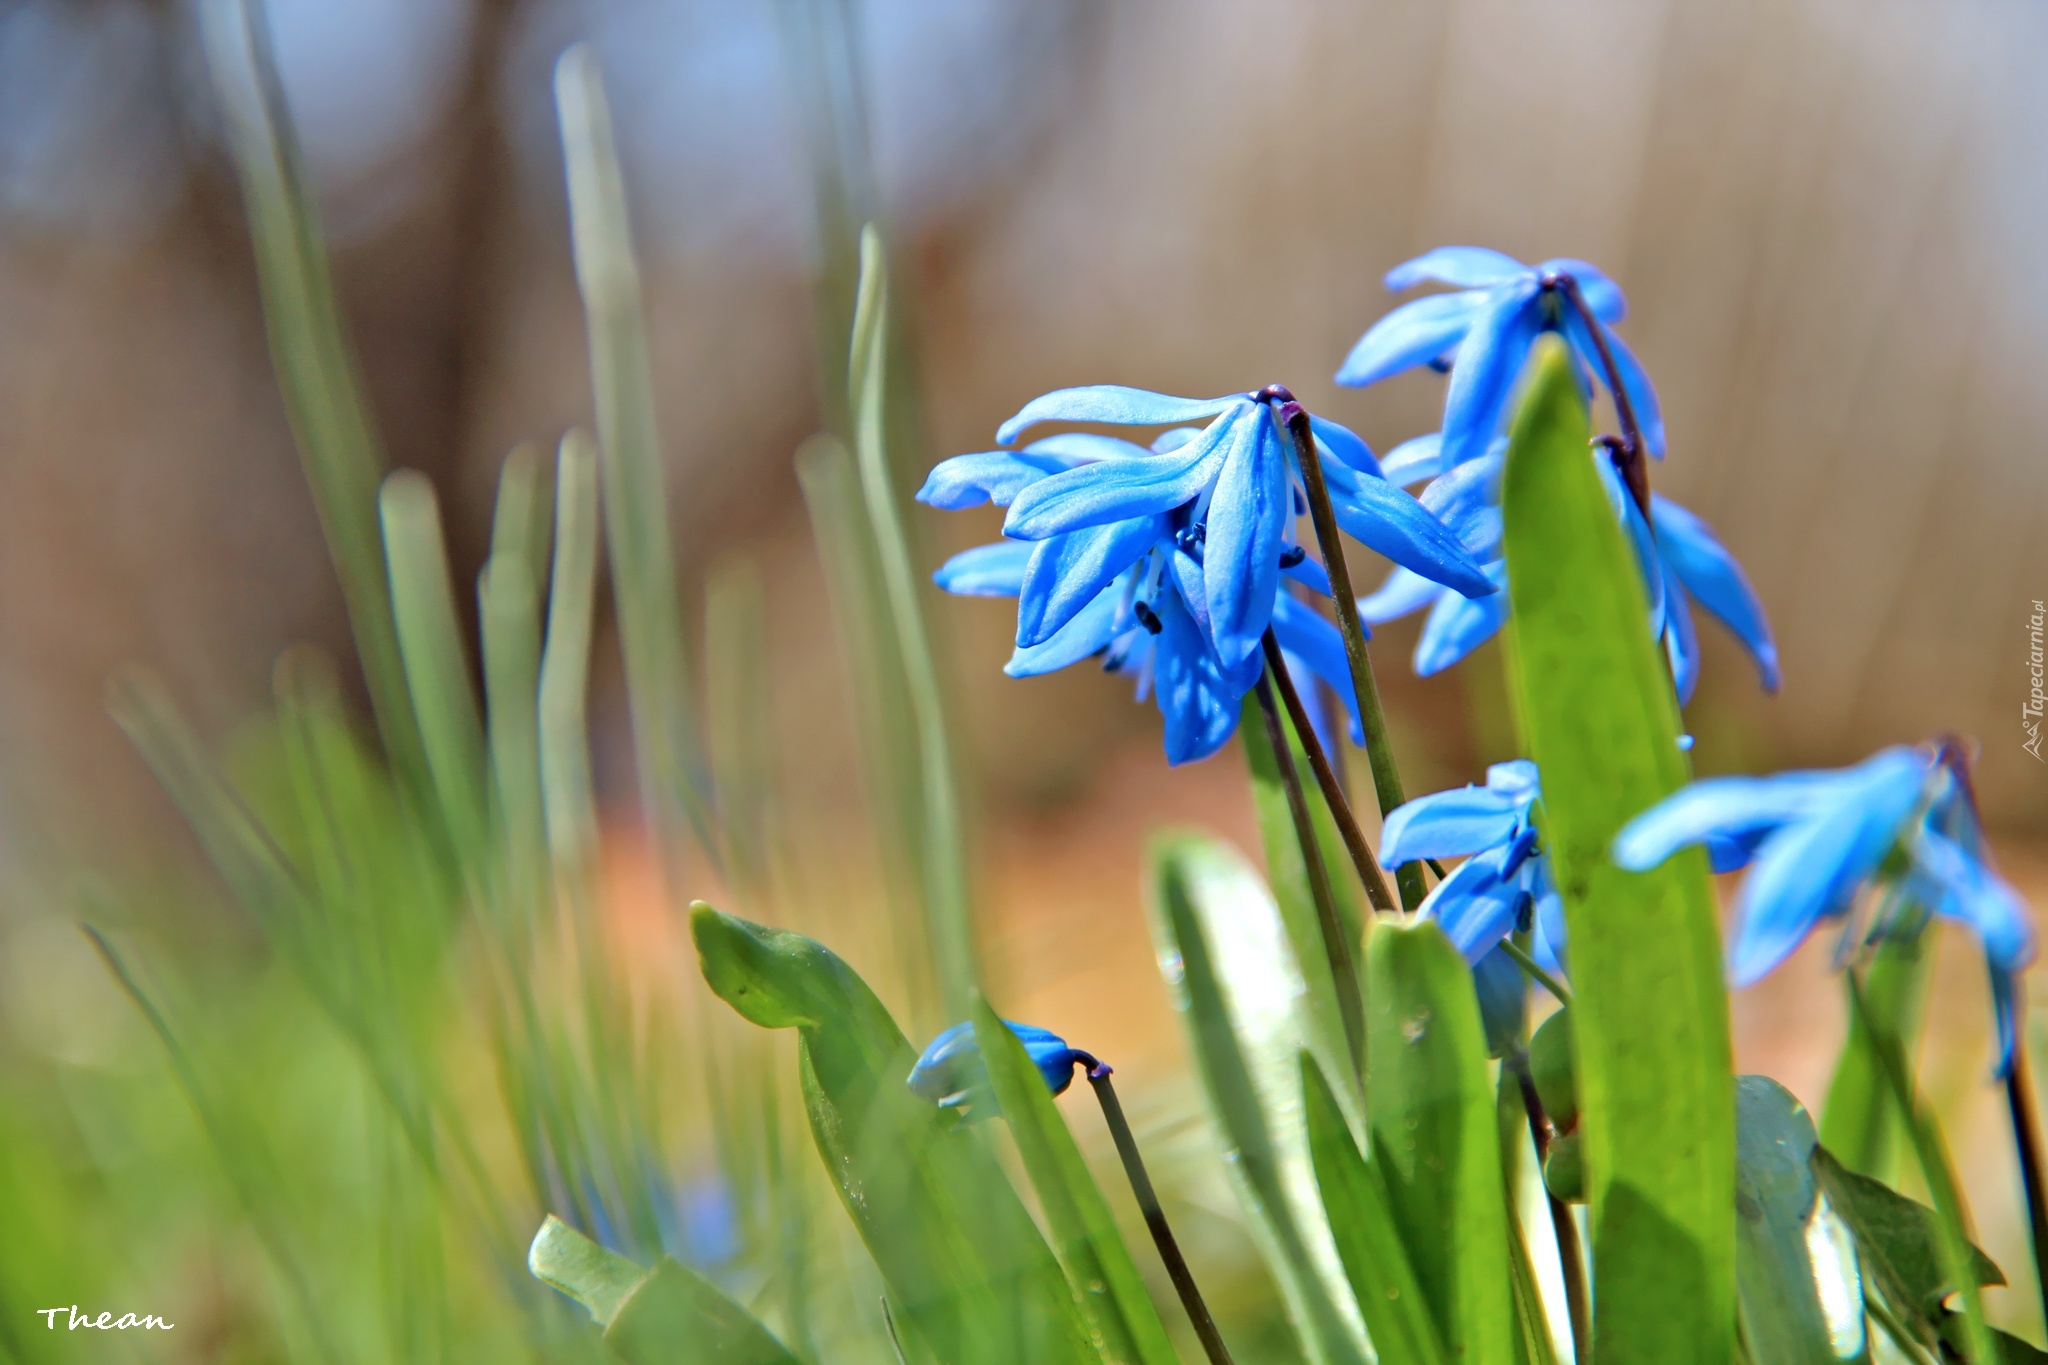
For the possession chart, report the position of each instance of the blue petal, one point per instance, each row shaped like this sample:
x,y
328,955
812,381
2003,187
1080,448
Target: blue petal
x,y
1602,294
1517,777
1114,405
1967,891
1405,591
1413,460
1198,703
994,476
1311,574
1091,630
1707,571
1681,642
1068,572
1382,517
1737,808
1489,362
1344,443
1448,824
1474,907
1247,521
1413,334
1304,633
1503,1000
1085,447
1173,440
1464,266
1115,490
1467,501
987,570
1458,625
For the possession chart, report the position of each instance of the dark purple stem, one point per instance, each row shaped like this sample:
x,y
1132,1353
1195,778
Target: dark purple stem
x,y
1630,457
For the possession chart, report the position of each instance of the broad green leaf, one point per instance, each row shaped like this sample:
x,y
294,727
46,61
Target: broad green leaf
x,y
1431,1108
1287,876
1239,991
1796,1278
970,1280
1084,1232
1860,1121
1397,1317
651,1317
666,747
1596,712
2011,1349
1898,1239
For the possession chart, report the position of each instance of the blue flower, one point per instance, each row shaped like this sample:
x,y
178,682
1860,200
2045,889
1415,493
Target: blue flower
x,y
1225,492
1483,333
1504,883
951,1074
1141,624
1681,560
1901,820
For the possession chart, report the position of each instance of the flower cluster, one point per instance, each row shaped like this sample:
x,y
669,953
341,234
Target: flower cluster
x,y
1482,334
951,1073
1819,843
1167,559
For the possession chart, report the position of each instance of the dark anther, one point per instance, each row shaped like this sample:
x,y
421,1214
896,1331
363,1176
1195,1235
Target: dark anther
x,y
1525,915
1188,537
1147,617
1292,556
1113,660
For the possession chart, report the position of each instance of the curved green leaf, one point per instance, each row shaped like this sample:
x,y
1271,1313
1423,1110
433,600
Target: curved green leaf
x,y
970,1279
1795,1305
651,1317
1431,1109
1235,982
1084,1232
1860,1121
1397,1316
1596,712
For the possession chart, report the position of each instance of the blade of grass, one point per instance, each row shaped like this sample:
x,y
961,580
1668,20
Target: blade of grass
x,y
570,814
1859,1122
643,565
1595,710
737,694
315,371
947,909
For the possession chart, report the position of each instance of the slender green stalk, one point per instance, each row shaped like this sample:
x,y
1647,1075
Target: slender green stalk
x,y
1362,858
1155,1216
945,873
1533,969
1379,747
1932,1155
2026,1138
1336,943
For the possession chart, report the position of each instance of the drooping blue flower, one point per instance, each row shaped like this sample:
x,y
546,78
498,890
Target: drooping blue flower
x,y
1681,560
1483,333
951,1073
1141,625
1226,491
1817,841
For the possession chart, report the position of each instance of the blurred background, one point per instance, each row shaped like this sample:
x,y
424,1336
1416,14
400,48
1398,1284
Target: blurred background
x,y
1827,214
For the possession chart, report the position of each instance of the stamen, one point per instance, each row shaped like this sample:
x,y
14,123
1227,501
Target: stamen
x,y
1147,618
1292,556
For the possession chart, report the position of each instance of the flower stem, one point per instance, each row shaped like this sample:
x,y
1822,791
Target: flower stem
x,y
1155,1216
1951,1236
1570,1256
2026,1138
1635,470
1326,777
1533,969
1379,749
1336,943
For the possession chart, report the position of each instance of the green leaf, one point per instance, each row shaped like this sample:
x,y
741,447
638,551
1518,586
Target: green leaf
x,y
1397,1317
1596,712
969,1277
1898,1239
1287,876
1084,1232
1787,1311
2013,1351
1238,989
1860,1121
666,747
569,811
651,1317
1435,1136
